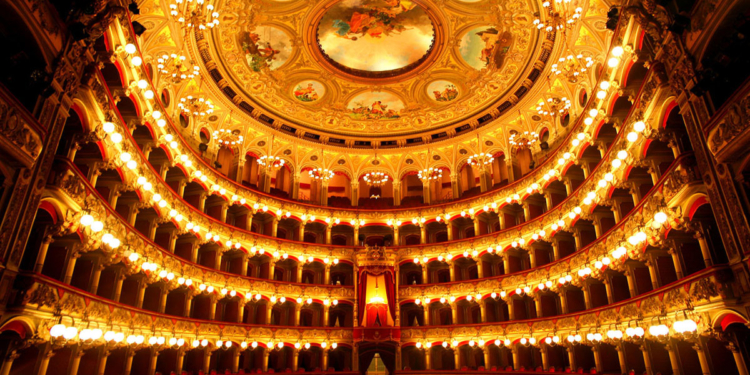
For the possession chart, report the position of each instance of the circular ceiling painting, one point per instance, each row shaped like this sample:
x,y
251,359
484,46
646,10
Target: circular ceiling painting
x,y
375,37
265,47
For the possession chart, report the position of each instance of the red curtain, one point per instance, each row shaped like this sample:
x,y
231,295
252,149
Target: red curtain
x,y
390,293
361,296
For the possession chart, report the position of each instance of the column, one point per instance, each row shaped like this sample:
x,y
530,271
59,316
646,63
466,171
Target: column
x,y
677,263
295,186
324,193
75,360
329,229
212,309
452,271
327,275
396,193
265,359
236,361
563,301
538,305
568,186
571,357
188,304
181,188
163,299
325,361
95,276
356,235
647,359
245,261
548,199
631,282
457,356
449,229
249,221
427,359
543,349
179,361
506,264
477,227
532,257
172,240
72,259
526,210
45,354
206,360
355,193
587,295
295,361
202,202
299,272
118,287
426,191
426,307
8,363
556,248
224,209
271,266
514,352
152,361
674,359
705,369
141,292
113,195
455,185
482,310
598,359
42,255
608,287
102,365
454,313
577,238
301,231
423,234
501,218
621,358
738,359
297,310
651,264
395,235
132,213
704,249
355,358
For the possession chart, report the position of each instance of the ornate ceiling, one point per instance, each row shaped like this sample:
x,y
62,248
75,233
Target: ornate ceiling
x,y
373,69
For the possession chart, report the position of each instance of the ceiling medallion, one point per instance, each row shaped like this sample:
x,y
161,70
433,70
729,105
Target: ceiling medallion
x,y
375,38
192,13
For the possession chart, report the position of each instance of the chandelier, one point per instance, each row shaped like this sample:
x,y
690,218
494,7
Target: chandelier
x,y
480,159
523,141
271,162
561,14
228,137
196,106
175,67
430,174
375,178
572,67
323,174
553,107
191,13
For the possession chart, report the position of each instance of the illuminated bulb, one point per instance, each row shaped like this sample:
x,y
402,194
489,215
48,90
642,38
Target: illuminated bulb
x,y
632,137
617,51
612,62
130,48
604,85
616,163
601,94
660,217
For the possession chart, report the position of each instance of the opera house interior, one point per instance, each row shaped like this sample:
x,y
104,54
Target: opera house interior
x,y
200,187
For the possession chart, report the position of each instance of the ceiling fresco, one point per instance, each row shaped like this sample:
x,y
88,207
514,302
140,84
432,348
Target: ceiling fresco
x,y
387,67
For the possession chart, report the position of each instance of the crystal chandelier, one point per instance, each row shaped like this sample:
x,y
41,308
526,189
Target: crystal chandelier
x,y
430,174
271,162
175,67
561,14
196,106
228,137
553,106
376,178
323,174
525,140
572,67
192,13
480,159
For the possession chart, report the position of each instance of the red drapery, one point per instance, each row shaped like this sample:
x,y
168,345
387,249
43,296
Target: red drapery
x,y
390,291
